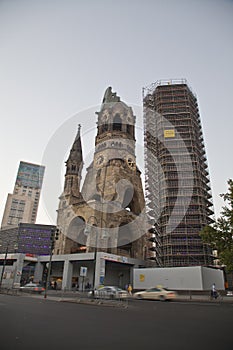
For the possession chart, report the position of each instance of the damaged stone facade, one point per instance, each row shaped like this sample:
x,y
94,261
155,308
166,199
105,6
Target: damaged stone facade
x,y
108,213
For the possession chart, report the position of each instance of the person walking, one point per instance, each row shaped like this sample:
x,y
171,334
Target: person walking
x,y
213,291
129,289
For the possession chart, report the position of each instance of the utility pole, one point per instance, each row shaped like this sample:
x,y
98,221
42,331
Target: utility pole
x,y
54,236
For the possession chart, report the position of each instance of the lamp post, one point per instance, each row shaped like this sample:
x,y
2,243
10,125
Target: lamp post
x,y
94,271
88,230
4,264
92,230
54,236
15,269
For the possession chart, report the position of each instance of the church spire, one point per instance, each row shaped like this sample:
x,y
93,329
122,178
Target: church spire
x,y
76,155
74,165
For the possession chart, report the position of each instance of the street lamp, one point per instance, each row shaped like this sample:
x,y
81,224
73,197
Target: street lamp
x,y
88,230
14,273
94,229
54,236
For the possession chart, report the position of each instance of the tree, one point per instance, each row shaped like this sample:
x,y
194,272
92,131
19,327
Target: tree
x,y
220,235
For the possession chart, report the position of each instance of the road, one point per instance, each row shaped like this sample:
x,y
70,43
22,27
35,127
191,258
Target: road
x,y
38,323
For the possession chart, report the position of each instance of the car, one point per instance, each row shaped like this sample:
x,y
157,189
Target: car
x,y
109,292
32,288
156,293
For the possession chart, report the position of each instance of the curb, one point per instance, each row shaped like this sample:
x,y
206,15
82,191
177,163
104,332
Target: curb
x,y
96,302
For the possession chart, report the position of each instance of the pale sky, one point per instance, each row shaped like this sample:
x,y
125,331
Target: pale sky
x,y
57,57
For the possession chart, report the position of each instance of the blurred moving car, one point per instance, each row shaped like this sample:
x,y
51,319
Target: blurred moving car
x,y
32,288
109,292
156,293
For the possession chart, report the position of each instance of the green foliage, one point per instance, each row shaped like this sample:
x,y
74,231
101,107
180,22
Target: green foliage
x,y
220,235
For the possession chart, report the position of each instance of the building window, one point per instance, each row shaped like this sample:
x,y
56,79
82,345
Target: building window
x,y
130,129
104,127
117,123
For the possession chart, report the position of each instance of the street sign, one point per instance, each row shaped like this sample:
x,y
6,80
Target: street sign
x,y
83,271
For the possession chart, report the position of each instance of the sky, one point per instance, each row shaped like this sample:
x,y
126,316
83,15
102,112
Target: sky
x,y
57,57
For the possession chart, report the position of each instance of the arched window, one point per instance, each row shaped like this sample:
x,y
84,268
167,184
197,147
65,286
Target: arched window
x,y
128,196
130,129
96,197
76,233
104,127
117,122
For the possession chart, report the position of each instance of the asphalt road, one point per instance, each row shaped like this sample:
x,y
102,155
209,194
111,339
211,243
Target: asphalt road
x,y
38,323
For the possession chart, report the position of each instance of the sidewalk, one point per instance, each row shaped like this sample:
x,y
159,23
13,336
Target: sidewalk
x,y
204,298
82,298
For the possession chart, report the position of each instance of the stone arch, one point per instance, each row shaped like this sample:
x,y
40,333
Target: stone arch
x,y
75,231
131,201
96,197
125,238
128,197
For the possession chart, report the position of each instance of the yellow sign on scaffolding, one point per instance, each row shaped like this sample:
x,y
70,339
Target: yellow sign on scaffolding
x,y
141,277
169,133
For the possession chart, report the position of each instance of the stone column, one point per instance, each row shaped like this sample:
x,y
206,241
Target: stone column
x,y
18,268
67,275
101,270
38,275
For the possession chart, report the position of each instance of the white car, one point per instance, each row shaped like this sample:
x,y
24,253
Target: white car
x,y
109,292
32,288
156,293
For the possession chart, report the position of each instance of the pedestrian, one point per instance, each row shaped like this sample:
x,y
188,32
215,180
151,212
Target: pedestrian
x,y
87,286
213,291
55,285
129,289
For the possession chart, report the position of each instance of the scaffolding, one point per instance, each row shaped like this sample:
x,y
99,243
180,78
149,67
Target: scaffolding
x,y
177,184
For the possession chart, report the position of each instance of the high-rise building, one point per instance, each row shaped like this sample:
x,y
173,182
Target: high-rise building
x,y
22,205
178,193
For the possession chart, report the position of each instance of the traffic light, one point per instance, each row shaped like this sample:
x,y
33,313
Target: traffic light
x,y
52,244
57,234
52,238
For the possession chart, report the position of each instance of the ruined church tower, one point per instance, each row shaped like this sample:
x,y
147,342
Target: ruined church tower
x,y
109,211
